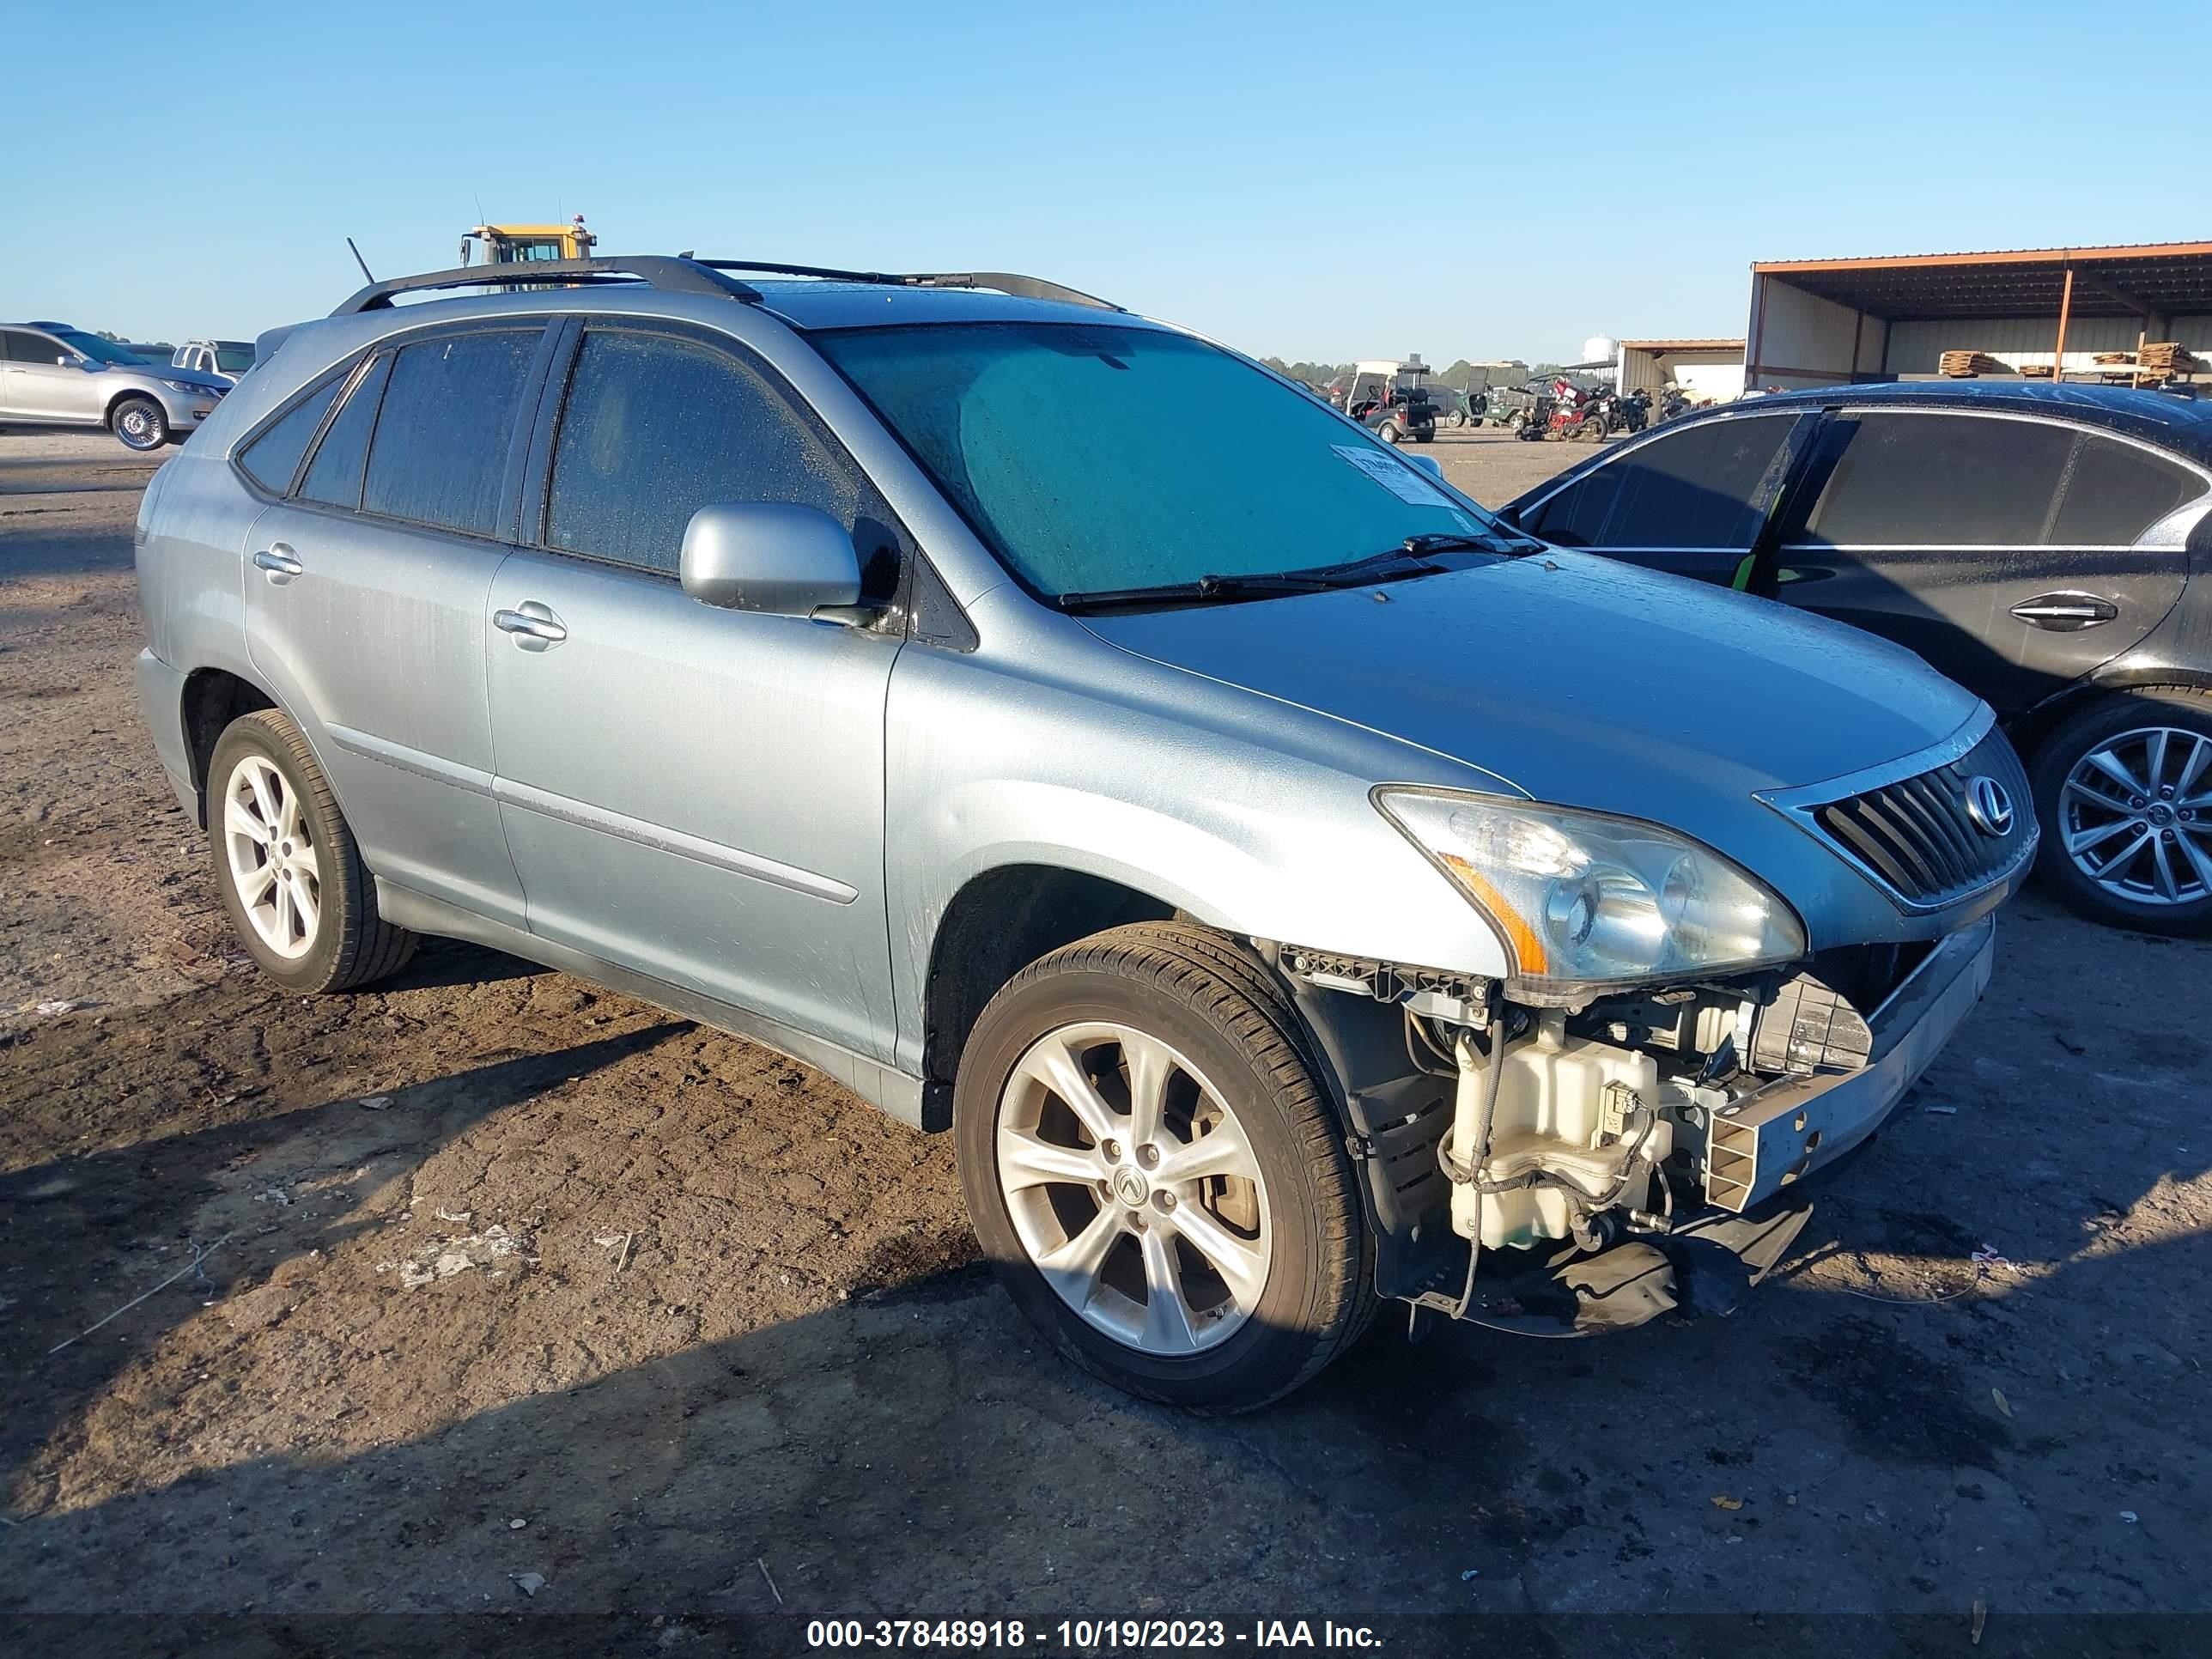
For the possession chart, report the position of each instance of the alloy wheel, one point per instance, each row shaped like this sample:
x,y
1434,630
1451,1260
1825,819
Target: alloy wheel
x,y
2135,815
1132,1188
275,864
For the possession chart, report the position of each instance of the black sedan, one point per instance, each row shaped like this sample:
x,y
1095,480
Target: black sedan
x,y
2049,547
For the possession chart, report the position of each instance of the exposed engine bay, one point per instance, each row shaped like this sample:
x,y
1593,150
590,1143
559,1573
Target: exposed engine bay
x,y
1542,1140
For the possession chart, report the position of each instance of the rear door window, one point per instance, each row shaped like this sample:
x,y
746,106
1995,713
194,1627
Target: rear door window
x,y
334,475
271,459
440,448
2114,491
1706,486
655,428
1941,480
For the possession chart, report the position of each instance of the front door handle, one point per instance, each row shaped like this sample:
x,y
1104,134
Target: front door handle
x,y
280,563
534,626
2065,613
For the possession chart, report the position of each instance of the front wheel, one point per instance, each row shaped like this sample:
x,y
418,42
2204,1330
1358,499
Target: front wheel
x,y
141,423
1389,433
299,897
2124,791
1156,1173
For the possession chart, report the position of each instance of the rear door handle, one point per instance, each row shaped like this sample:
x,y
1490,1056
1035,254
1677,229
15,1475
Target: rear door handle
x,y
534,625
2065,613
280,563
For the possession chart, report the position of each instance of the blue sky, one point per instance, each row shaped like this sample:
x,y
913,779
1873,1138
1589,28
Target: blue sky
x,y
1324,182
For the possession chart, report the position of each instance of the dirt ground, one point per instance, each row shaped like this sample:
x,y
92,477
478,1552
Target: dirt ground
x,y
709,1356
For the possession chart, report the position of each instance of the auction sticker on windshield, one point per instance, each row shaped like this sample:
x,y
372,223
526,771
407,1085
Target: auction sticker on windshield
x,y
1395,476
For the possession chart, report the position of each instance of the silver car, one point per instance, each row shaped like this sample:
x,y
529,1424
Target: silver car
x,y
51,374
1293,890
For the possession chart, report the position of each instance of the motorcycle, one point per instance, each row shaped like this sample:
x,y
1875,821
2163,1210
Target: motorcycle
x,y
1634,412
1673,402
1583,419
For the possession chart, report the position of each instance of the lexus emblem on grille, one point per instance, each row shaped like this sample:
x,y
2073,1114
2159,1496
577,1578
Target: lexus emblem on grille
x,y
1987,805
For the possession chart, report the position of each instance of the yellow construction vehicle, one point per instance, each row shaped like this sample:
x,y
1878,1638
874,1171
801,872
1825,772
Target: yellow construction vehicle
x,y
509,244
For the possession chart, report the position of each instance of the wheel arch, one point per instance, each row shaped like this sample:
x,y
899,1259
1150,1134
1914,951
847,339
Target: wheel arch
x,y
212,699
2029,729
1000,921
107,415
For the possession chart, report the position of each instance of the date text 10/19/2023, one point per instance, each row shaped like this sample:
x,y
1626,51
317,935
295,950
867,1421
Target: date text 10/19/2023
x,y
1086,1635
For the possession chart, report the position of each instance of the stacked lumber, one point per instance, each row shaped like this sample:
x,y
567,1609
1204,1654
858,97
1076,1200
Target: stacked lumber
x,y
2035,371
2168,357
2115,359
1965,364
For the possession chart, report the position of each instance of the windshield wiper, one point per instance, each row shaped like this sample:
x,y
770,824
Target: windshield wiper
x,y
1395,565
1493,541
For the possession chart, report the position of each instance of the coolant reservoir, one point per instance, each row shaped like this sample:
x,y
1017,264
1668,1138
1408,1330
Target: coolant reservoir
x,y
1552,1111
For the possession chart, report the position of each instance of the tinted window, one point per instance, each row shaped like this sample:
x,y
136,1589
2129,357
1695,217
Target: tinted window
x,y
441,441
1942,481
334,477
1705,486
271,458
2116,491
30,348
655,428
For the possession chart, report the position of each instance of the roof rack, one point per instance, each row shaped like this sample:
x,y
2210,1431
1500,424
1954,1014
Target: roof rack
x,y
655,271
1002,282
684,274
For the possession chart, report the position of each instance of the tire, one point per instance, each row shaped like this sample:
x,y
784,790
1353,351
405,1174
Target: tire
x,y
141,423
1425,435
1225,1037
1389,433
2123,888
346,944
1516,421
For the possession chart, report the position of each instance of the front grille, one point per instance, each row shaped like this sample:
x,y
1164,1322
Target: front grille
x,y
1918,838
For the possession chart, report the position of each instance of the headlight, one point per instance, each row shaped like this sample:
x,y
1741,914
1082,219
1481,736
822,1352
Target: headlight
x,y
1586,901
190,388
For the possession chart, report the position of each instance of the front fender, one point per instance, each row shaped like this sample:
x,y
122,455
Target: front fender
x,y
1203,800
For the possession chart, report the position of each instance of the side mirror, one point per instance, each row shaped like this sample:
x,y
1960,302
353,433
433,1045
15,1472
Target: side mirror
x,y
769,557
1428,463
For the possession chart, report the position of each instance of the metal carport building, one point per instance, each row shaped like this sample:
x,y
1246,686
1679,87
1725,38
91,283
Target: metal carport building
x,y
1822,322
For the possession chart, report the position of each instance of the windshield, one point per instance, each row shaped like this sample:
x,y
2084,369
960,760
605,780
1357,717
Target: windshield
x,y
99,350
233,359
1096,458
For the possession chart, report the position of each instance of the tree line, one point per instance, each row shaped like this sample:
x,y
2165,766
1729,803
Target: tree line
x,y
1460,375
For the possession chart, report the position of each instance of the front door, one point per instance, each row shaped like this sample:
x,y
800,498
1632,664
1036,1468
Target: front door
x,y
2014,554
366,600
46,382
691,792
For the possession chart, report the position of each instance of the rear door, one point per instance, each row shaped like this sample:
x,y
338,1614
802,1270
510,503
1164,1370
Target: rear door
x,y
1692,500
694,793
366,595
2016,554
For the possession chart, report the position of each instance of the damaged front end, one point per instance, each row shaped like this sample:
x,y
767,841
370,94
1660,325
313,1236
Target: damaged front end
x,y
1567,1169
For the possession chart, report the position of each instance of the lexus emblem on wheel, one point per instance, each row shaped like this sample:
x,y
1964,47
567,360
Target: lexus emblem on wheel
x,y
1987,805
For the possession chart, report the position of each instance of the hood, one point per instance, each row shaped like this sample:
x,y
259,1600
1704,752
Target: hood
x,y
1584,682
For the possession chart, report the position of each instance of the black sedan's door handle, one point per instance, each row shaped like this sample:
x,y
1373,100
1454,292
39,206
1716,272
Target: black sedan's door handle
x,y
2065,613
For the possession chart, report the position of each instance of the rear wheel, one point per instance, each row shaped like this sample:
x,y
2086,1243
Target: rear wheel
x,y
2124,791
1389,433
1156,1173
141,423
298,896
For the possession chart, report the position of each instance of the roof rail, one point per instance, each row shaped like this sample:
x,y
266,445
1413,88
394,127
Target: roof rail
x,y
1002,282
655,271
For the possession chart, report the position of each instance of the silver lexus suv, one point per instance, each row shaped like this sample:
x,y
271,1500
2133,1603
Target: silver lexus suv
x,y
1294,889
51,374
